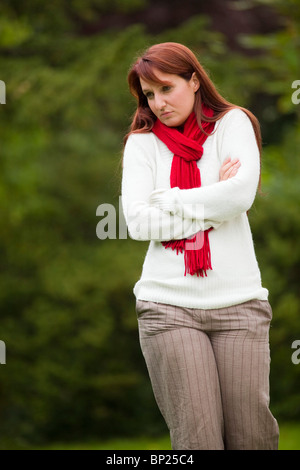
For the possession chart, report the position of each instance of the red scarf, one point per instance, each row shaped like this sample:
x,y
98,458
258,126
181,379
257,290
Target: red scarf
x,y
187,149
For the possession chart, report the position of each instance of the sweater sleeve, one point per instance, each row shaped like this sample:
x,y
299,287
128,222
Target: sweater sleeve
x,y
145,221
227,199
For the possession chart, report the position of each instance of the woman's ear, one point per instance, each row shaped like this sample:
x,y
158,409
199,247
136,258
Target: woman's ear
x,y
195,82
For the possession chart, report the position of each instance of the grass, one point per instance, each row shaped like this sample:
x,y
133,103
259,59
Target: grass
x,y
141,443
289,440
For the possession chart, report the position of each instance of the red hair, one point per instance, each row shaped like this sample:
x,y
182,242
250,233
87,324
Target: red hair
x,y
175,58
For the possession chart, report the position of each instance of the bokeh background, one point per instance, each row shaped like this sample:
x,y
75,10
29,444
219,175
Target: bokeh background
x,y
74,373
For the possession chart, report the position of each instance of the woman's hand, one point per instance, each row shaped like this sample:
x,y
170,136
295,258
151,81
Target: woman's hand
x,y
229,169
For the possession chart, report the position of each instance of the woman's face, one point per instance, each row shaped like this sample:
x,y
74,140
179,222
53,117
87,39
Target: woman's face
x,y
172,103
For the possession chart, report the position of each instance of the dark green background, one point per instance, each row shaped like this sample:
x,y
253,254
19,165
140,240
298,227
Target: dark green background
x,y
74,368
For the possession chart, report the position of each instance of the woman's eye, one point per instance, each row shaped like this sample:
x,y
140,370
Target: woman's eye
x,y
164,89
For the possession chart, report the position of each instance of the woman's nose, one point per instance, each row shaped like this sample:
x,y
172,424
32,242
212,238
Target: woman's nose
x,y
160,102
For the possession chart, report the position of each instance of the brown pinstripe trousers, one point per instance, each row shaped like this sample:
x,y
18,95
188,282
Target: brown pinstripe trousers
x,y
209,371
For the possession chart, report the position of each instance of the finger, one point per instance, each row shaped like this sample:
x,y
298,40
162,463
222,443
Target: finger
x,y
232,171
230,166
225,168
226,161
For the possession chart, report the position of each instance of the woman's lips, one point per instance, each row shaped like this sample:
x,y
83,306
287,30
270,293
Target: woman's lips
x,y
167,113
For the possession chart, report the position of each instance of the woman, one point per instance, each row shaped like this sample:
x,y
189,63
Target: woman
x,y
190,173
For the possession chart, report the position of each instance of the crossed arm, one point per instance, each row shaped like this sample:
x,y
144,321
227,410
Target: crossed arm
x,y
166,214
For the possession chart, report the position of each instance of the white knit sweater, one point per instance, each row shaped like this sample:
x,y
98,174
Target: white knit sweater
x,y
153,211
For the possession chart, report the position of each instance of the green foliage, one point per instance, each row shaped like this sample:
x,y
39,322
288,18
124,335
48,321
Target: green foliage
x,y
74,368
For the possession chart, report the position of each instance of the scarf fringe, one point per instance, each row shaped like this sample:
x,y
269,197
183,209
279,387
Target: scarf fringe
x,y
197,256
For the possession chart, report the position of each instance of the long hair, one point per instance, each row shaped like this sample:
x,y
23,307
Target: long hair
x,y
175,58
